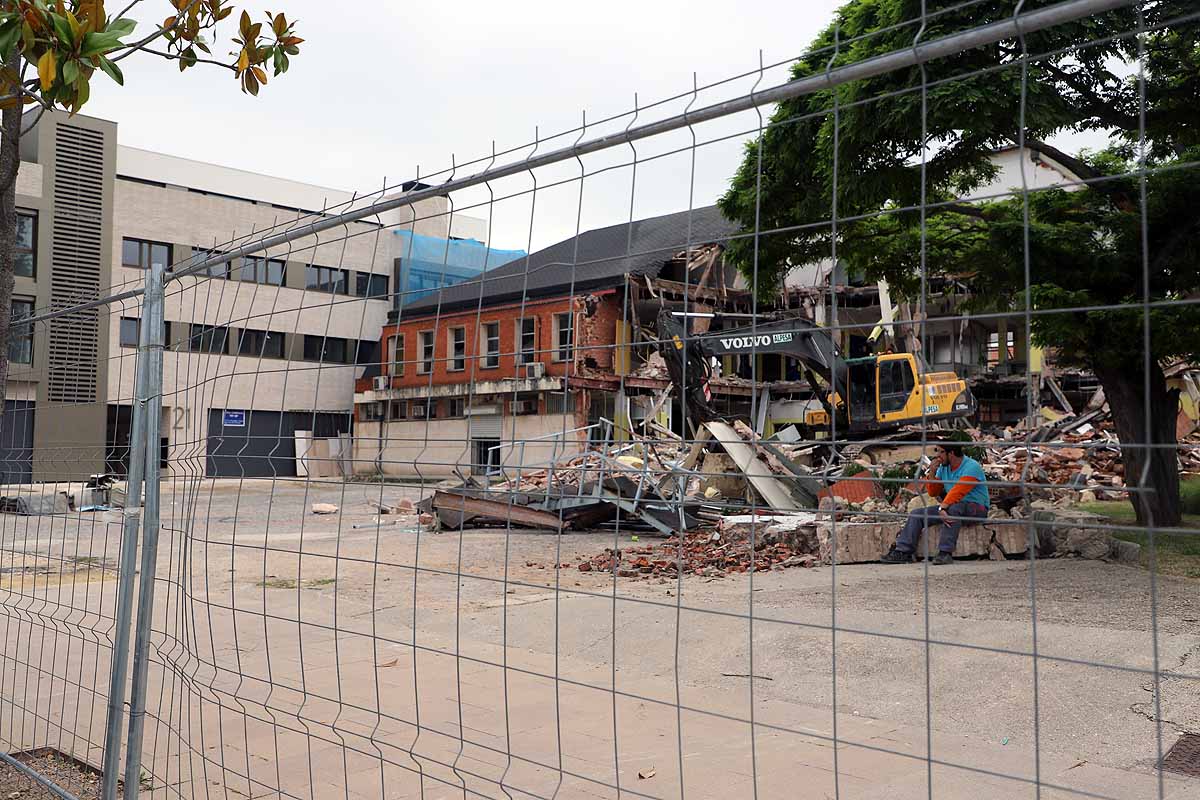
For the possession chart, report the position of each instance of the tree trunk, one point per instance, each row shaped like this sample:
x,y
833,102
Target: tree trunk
x,y
1155,469
10,162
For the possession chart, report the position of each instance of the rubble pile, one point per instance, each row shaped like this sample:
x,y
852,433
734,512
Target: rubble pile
x,y
716,553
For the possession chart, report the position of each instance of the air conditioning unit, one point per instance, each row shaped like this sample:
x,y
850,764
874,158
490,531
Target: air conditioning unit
x,y
382,382
525,406
535,370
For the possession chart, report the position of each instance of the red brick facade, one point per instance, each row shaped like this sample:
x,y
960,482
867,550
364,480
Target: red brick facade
x,y
596,315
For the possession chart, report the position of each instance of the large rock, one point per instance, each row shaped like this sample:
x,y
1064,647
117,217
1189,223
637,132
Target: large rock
x,y
861,542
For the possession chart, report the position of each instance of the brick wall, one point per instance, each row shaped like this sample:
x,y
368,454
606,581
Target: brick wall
x,y
596,316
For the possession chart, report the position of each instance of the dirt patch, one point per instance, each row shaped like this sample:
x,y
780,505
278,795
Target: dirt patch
x,y
67,773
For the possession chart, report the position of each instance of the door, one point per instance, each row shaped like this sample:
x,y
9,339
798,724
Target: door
x,y
896,383
486,456
16,442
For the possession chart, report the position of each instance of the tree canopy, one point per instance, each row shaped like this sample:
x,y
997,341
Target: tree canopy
x,y
1100,245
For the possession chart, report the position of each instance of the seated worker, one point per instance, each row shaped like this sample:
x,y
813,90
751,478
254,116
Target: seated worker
x,y
959,482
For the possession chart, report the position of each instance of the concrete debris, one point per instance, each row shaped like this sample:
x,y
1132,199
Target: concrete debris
x,y
324,508
779,542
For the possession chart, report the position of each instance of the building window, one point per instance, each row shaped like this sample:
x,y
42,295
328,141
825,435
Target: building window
x,y
141,254
456,407
327,279
993,348
424,409
426,364
372,412
209,339
560,402
364,352
131,332
325,349
487,456
131,328
264,344
491,344
397,345
257,269
20,337
368,284
564,336
399,409
200,254
458,349
527,341
25,252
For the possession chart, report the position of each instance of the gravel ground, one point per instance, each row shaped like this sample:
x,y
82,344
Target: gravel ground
x,y
83,783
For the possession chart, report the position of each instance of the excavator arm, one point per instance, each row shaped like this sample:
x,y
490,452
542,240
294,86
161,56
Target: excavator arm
x,y
688,357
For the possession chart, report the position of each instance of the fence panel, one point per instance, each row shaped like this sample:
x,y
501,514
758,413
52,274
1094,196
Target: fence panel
x,y
516,480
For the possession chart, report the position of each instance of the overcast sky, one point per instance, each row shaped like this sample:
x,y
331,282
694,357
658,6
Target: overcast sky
x,y
383,86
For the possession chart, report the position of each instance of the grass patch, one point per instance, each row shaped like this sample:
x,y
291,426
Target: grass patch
x,y
1177,553
292,583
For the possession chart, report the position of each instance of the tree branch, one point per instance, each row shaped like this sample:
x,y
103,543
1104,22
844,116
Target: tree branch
x,y
177,56
158,33
1100,107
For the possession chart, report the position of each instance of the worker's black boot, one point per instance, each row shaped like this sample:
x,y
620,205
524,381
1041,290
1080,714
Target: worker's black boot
x,y
942,559
895,556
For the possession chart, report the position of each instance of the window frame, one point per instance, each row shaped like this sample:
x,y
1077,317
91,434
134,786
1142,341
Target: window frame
x,y
321,357
564,353
24,337
451,402
392,408
525,356
137,331
323,276
250,268
261,350
490,358
425,365
367,278
31,251
196,340
454,361
397,353
146,252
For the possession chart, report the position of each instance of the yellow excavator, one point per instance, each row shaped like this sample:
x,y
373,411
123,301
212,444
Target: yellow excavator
x,y
860,396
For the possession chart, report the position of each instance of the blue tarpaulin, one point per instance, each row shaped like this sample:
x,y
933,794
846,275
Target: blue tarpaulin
x,y
428,263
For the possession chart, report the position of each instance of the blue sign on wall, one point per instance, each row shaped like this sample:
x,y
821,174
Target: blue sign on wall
x,y
234,419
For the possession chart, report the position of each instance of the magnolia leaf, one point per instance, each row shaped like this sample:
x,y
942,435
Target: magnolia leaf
x,y
243,62
244,25
260,74
121,27
9,33
62,29
112,70
95,44
70,71
76,30
84,92
279,24
47,69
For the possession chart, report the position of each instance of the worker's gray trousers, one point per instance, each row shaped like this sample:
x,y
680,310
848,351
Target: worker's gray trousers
x,y
920,518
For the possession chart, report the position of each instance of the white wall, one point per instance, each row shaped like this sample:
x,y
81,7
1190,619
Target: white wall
x,y
432,450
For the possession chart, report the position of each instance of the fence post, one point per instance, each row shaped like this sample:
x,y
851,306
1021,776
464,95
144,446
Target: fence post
x,y
152,318
118,671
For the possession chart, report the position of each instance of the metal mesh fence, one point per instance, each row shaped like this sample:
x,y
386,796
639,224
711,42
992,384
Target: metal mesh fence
x,y
572,516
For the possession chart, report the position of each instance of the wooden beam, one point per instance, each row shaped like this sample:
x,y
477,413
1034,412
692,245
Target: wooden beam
x,y
499,510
